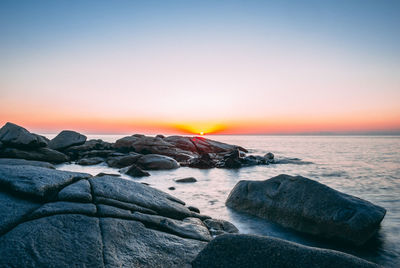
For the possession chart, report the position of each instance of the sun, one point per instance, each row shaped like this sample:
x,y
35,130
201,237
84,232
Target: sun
x,y
201,133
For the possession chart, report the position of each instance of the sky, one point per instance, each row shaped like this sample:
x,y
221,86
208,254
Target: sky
x,y
218,67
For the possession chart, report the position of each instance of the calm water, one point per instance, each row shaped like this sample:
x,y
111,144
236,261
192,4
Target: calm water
x,y
364,166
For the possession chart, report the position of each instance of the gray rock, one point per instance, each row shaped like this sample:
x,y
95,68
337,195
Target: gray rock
x,y
308,206
79,192
171,188
18,162
204,162
204,145
135,171
13,210
218,227
90,148
141,195
194,209
157,162
41,154
269,156
15,136
62,207
37,182
123,161
130,243
260,251
101,174
90,161
65,139
123,205
186,180
55,241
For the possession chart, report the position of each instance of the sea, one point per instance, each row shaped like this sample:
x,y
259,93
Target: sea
x,y
364,166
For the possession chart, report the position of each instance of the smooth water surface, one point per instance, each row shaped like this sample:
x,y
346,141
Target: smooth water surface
x,y
364,166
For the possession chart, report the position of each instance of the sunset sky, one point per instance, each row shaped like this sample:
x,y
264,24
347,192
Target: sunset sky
x,y
224,67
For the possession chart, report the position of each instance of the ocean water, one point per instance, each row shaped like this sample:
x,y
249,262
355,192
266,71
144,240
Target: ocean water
x,y
364,166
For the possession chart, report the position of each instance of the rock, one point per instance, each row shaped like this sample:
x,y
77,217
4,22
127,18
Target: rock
x,y
101,174
194,209
218,227
157,162
135,171
41,154
308,206
186,180
203,162
232,160
90,161
184,143
36,182
65,139
269,156
97,153
89,149
204,145
171,188
63,207
78,192
123,161
18,162
259,251
12,135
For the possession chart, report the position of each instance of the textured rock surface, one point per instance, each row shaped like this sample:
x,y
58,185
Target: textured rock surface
x,y
18,162
135,171
65,139
308,206
15,136
51,218
90,161
41,154
260,251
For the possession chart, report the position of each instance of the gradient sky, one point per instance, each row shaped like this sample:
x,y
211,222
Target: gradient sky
x,y
190,66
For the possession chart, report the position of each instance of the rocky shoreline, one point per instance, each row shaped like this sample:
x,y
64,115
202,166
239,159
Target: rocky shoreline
x,y
58,218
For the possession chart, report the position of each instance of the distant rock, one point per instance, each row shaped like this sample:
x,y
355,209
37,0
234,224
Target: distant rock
x,y
171,188
232,160
65,139
203,162
123,160
12,135
186,180
269,156
90,161
135,171
40,154
249,251
308,206
156,162
18,162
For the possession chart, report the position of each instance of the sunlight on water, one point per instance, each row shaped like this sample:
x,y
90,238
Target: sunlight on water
x,y
367,167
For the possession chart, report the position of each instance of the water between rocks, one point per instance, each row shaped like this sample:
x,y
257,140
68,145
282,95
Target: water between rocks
x,y
364,166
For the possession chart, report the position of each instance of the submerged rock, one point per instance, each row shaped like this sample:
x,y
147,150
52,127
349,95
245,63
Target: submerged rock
x,y
308,206
65,139
186,180
12,135
260,251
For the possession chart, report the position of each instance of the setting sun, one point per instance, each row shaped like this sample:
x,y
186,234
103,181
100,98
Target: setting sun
x,y
202,133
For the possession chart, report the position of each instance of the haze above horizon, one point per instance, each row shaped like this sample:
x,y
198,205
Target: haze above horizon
x,y
218,67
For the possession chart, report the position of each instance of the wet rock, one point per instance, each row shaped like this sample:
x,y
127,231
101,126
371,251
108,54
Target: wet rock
x,y
12,135
41,154
18,162
171,188
269,157
157,162
232,160
90,161
308,206
218,227
186,180
123,161
194,209
203,162
135,171
260,251
65,139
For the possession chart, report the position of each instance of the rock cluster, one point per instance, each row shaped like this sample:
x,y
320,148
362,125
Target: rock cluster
x,y
308,206
58,218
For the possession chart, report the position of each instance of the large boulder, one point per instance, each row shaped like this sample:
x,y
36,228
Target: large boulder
x,y
156,162
12,135
204,145
90,148
244,251
65,139
19,162
52,218
308,206
40,154
123,160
